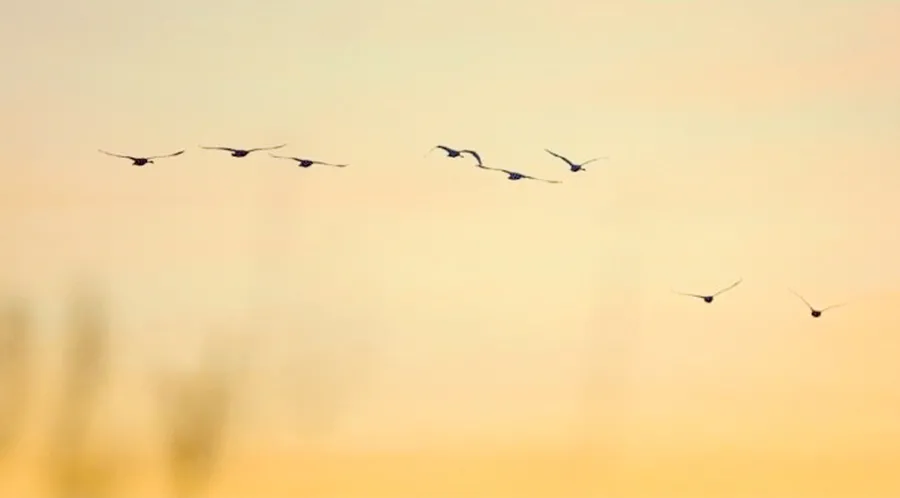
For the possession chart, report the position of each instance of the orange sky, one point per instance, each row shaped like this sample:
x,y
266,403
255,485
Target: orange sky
x,y
411,305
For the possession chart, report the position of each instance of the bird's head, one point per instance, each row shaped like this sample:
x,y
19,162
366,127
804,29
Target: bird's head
x,y
150,161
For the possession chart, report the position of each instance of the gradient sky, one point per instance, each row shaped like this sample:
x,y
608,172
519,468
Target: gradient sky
x,y
755,140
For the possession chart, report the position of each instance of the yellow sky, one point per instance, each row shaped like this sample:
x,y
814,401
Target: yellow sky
x,y
444,306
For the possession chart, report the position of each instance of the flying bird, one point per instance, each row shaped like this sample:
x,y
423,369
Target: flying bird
x,y
710,297
142,161
515,175
451,152
242,152
574,167
305,163
816,313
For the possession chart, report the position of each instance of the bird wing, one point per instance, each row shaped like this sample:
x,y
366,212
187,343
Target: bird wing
x,y
286,157
331,164
594,159
570,163
180,152
802,299
539,179
266,148
732,286
472,153
698,296
833,306
118,155
229,149
442,147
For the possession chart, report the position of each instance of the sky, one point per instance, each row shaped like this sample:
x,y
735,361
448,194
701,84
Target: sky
x,y
411,304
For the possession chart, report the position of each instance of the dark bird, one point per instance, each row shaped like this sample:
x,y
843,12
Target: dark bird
x,y
242,152
305,163
514,175
573,166
816,313
710,297
458,153
142,161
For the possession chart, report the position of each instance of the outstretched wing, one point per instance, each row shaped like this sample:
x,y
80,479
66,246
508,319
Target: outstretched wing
x,y
229,149
594,159
802,299
698,296
473,154
118,155
297,159
833,306
442,147
540,179
554,154
266,148
732,286
180,152
330,164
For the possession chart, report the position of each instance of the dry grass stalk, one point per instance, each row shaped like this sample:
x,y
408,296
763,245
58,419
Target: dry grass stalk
x,y
196,409
75,471
87,352
16,371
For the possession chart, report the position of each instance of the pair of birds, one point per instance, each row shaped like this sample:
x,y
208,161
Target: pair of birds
x,y
301,162
708,298
515,175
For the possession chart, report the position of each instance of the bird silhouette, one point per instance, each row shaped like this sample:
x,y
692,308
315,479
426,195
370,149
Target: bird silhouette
x,y
242,152
305,163
451,152
815,313
574,167
142,161
708,298
515,175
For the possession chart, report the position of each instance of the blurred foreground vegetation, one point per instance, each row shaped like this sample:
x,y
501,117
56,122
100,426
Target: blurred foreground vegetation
x,y
79,455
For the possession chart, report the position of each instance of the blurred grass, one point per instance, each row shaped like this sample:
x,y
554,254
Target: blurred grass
x,y
198,409
77,454
195,411
75,467
17,357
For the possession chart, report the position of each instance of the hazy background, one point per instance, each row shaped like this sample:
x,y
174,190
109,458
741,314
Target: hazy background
x,y
413,326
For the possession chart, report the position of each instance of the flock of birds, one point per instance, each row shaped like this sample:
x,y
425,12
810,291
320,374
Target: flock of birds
x,y
453,154
145,160
306,163
709,298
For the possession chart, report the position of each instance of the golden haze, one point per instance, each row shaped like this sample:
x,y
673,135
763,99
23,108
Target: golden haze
x,y
415,327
